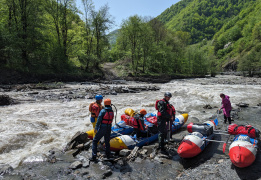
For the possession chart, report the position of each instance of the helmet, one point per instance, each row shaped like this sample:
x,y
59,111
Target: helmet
x,y
107,102
143,111
98,97
168,94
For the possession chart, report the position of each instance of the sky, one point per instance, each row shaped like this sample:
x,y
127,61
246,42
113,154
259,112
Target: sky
x,y
122,9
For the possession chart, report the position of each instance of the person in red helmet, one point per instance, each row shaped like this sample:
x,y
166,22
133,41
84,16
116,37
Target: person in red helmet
x,y
138,124
103,129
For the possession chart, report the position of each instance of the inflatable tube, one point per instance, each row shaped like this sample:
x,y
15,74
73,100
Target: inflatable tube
x,y
194,143
242,152
119,128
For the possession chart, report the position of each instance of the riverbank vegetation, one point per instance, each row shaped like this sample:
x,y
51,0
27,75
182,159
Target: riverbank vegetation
x,y
192,37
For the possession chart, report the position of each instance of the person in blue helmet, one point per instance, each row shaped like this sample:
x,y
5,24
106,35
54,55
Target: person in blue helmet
x,y
95,108
103,129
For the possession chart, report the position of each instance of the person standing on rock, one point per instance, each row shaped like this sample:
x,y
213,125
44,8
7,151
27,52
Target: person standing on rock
x,y
226,107
95,108
103,129
164,115
138,124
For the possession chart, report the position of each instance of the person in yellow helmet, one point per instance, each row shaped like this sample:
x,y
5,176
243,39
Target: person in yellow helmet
x,y
103,129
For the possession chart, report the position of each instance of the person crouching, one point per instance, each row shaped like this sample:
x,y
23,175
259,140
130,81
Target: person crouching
x,y
139,127
103,129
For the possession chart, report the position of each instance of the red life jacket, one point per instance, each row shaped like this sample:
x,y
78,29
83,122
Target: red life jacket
x,y
95,109
249,130
137,124
153,120
169,108
108,117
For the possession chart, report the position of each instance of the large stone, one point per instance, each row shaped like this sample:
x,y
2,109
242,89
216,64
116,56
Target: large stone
x,y
76,165
5,100
4,169
125,152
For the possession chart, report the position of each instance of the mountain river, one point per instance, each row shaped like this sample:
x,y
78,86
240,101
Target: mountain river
x,y
37,125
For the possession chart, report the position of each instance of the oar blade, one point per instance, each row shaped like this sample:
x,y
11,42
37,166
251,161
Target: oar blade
x,y
224,147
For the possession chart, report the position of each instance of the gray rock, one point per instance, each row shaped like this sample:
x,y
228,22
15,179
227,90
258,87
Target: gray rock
x,y
76,165
107,173
158,159
86,164
125,152
4,169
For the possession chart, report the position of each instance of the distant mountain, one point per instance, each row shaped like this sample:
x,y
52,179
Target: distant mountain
x,y
112,36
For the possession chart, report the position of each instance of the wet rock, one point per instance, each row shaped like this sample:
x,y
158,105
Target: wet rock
x,y
242,104
207,106
143,152
5,100
86,164
76,165
107,174
5,169
259,104
124,152
221,161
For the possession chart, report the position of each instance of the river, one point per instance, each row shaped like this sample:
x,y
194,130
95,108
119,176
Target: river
x,y
35,126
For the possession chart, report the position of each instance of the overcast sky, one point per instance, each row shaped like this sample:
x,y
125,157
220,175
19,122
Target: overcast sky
x,y
122,9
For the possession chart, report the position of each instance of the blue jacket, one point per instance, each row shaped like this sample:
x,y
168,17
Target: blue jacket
x,y
100,117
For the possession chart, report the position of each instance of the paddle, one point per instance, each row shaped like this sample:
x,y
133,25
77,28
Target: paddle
x,y
225,144
169,132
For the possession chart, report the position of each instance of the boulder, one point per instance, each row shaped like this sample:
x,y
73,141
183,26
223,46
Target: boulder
x,y
5,100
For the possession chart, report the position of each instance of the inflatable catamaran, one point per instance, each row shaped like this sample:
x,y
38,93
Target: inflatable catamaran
x,y
129,142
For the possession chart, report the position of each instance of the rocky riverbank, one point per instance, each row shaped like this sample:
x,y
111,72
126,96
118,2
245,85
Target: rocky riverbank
x,y
146,163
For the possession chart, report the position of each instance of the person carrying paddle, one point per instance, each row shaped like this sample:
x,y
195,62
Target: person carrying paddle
x,y
164,115
95,108
226,107
103,129
138,124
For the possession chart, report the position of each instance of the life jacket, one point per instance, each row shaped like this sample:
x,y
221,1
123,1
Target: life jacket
x,y
169,108
153,120
249,130
137,123
95,109
108,117
128,119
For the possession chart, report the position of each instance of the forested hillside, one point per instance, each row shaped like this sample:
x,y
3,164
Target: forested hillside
x,y
227,30
50,37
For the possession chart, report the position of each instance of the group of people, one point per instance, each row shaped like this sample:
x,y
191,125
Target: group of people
x,y
102,117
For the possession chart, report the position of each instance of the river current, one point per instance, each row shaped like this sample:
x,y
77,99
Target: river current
x,y
35,127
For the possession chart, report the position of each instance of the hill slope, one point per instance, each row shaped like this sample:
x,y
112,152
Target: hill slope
x,y
233,28
202,18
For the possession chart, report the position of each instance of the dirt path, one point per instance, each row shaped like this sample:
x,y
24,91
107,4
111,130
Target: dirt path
x,y
109,71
